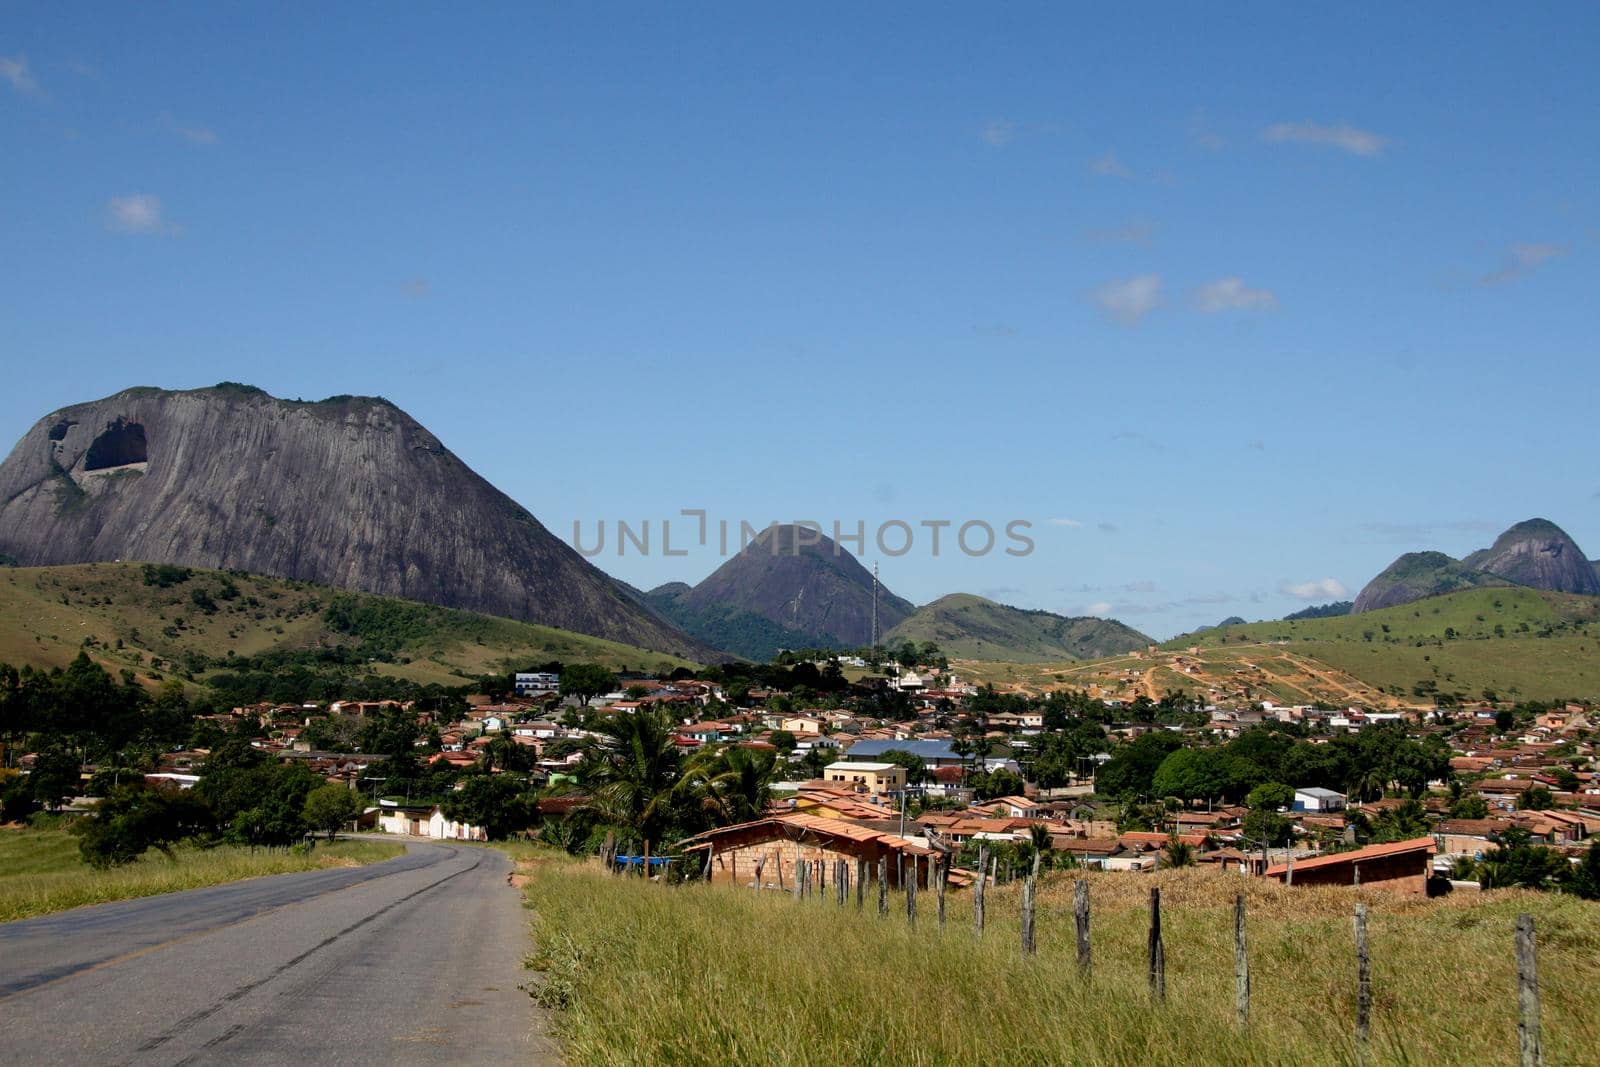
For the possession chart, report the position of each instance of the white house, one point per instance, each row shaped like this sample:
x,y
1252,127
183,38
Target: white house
x,y
424,820
1313,798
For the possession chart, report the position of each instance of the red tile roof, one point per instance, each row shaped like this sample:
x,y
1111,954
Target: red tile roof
x,y
1371,852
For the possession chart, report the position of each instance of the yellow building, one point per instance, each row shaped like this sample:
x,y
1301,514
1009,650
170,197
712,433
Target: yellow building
x,y
873,777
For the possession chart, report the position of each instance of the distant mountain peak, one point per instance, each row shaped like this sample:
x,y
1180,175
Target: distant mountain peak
x,y
965,626
347,491
1535,553
790,586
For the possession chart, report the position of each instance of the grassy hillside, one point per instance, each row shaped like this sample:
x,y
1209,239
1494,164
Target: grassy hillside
x,y
779,982
970,627
1471,614
153,621
1515,642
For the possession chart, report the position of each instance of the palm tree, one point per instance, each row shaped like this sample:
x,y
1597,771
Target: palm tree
x,y
1369,784
730,785
1179,853
629,773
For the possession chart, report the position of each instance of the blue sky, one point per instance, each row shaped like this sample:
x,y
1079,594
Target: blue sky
x,y
1249,300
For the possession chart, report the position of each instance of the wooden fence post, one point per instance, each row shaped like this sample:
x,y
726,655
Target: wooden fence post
x,y
1363,981
1080,915
799,876
1528,995
978,888
1027,916
944,873
911,894
883,886
841,881
861,883
1158,952
1241,965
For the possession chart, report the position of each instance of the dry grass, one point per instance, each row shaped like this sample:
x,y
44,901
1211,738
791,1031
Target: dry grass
x,y
40,871
649,974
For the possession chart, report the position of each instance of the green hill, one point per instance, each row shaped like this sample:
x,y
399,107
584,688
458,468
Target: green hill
x,y
161,622
969,627
1509,640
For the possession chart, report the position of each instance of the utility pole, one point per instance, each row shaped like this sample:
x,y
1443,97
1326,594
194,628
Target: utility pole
x,y
874,604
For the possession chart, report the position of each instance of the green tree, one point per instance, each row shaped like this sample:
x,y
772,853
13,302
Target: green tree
x,y
629,772
1177,852
585,681
329,806
916,770
997,783
1271,796
55,776
1133,766
730,785
1403,822
135,818
1538,798
1470,806
498,804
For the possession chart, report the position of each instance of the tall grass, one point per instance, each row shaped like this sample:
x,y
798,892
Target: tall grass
x,y
40,871
651,974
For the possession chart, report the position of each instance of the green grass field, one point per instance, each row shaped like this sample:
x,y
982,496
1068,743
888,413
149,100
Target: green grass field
x,y
40,871
650,974
47,614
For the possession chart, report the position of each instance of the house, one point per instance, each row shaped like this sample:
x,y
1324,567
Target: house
x,y
1401,867
1314,798
425,820
801,724
1015,808
875,778
767,853
535,683
1467,837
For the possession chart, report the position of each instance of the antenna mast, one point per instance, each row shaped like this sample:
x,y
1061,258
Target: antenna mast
x,y
874,603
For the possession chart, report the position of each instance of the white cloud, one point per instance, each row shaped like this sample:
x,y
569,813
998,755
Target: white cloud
x,y
14,69
1522,260
1109,166
1073,524
137,213
1315,590
1099,607
997,132
1343,136
1130,299
1232,294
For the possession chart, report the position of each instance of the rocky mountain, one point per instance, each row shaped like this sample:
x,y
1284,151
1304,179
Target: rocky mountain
x,y
788,588
1416,575
970,627
349,492
1536,553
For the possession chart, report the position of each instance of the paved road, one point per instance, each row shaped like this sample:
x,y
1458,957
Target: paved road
x,y
413,961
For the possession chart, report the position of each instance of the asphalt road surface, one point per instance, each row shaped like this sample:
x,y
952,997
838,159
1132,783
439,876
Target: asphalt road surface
x,y
416,960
